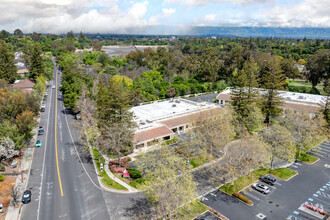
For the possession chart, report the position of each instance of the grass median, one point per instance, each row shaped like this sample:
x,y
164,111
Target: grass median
x,y
189,211
106,180
246,180
307,158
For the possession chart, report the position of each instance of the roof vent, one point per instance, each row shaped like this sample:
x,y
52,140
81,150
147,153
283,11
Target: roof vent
x,y
177,101
142,122
149,121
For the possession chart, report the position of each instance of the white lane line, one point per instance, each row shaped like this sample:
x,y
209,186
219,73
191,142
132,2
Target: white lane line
x,y
43,164
77,150
252,196
317,154
327,147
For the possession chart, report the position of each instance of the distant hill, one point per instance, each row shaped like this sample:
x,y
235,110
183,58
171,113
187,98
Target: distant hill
x,y
311,33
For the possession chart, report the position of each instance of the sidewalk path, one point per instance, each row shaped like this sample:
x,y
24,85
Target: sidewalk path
x,y
112,176
14,213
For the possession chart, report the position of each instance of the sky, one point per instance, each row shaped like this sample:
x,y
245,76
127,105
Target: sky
x,y
129,17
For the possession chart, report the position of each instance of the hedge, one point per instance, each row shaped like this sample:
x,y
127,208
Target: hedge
x,y
2,168
243,198
2,178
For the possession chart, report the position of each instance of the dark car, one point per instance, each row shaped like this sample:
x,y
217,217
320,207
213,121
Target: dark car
x,y
268,179
26,198
41,131
261,188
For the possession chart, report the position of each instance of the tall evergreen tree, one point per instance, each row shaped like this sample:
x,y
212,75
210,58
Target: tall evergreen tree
x,y
37,65
115,120
8,70
245,93
274,80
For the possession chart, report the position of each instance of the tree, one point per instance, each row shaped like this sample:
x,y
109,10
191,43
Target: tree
x,y
37,65
7,148
8,70
169,181
318,66
280,143
18,33
25,123
5,34
115,120
289,69
11,104
245,94
273,80
40,86
303,128
326,101
97,45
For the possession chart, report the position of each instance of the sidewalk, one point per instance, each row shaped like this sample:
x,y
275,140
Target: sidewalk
x,y
110,174
14,213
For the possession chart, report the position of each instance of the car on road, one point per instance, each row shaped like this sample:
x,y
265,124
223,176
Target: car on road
x,y
39,143
43,108
78,116
41,130
268,179
26,198
261,188
53,87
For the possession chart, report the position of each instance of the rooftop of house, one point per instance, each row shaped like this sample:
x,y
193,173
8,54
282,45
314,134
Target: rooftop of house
x,y
153,115
23,83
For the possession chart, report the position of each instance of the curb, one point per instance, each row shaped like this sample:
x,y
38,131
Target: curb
x,y
291,176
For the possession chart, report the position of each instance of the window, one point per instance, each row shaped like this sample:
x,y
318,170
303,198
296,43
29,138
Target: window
x,y
166,138
181,128
174,129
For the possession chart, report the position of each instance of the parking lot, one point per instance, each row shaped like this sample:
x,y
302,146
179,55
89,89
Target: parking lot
x,y
285,199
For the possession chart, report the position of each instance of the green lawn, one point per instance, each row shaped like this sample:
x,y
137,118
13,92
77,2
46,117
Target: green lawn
x,y
299,83
198,161
189,211
283,173
307,158
106,180
244,181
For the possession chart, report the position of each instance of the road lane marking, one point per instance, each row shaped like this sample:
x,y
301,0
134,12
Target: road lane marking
x,y
58,168
83,166
43,164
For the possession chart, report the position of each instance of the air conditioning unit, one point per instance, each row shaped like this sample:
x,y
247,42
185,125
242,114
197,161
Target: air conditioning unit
x,y
174,105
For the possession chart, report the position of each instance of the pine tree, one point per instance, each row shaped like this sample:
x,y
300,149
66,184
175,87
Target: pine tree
x,y
37,65
115,120
245,93
273,80
8,70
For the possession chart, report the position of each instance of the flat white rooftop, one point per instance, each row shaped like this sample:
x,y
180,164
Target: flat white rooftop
x,y
293,96
148,115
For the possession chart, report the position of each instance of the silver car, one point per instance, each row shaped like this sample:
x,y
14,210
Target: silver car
x,y
261,188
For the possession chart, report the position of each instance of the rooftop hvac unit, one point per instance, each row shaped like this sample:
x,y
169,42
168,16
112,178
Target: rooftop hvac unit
x,y
149,121
177,101
142,122
174,105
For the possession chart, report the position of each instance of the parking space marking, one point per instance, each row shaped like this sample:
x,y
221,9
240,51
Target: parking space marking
x,y
204,198
252,196
326,147
322,189
296,213
299,164
326,150
317,154
325,187
278,183
294,166
310,199
292,217
326,195
274,187
212,194
323,202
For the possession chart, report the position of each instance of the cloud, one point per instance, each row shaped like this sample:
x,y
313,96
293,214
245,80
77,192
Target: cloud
x,y
206,21
53,16
166,13
191,3
309,13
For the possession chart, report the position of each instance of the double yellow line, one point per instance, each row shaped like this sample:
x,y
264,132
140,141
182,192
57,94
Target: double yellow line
x,y
58,169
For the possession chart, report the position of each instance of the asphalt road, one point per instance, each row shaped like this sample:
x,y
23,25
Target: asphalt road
x,y
61,187
285,197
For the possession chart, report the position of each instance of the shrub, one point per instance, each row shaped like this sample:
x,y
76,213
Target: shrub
x,y
134,173
243,198
2,178
2,168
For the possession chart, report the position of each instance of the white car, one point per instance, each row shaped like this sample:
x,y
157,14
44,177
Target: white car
x,y
53,87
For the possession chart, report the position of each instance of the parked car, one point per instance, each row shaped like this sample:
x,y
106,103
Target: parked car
x,y
41,131
53,87
261,188
1,207
26,198
14,164
268,179
39,143
43,108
